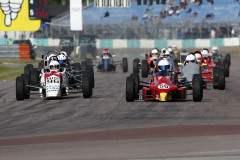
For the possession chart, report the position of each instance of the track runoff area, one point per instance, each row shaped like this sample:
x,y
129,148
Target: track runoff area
x,y
105,126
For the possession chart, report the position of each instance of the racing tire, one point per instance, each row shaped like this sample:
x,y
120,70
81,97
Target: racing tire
x,y
77,66
215,77
86,85
89,62
40,65
135,66
26,82
221,80
197,88
34,77
130,89
125,64
83,65
89,70
136,78
226,68
228,58
144,68
20,89
28,69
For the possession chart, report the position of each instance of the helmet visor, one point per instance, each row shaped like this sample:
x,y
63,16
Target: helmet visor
x,y
164,68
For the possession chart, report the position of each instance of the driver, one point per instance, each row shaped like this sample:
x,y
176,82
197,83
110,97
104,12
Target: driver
x,y
106,53
198,57
154,53
165,53
54,66
163,68
215,49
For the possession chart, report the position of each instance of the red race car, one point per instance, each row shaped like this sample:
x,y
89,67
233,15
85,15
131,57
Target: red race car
x,y
164,85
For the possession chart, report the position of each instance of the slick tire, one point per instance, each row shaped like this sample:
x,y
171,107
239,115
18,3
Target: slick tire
x,y
135,66
86,86
228,58
125,64
90,71
136,79
83,65
215,77
20,88
130,89
144,68
221,80
34,77
226,68
197,88
26,82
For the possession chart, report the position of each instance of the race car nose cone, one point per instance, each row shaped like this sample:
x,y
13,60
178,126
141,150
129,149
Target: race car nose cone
x,y
163,96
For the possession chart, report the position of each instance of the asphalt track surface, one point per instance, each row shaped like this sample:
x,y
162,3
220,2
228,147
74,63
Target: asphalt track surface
x,y
107,127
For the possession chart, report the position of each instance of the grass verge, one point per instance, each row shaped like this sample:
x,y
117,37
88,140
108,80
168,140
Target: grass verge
x,y
10,73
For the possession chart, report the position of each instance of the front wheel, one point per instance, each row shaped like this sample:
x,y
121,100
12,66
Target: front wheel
x,y
125,64
197,88
135,66
86,85
20,89
144,68
221,80
136,78
130,89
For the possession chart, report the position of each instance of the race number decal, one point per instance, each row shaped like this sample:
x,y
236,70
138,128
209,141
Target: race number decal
x,y
163,86
53,79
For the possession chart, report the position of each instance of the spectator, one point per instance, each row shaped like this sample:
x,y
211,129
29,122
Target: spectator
x,y
233,32
211,2
106,14
189,10
183,4
210,16
194,15
239,13
10,41
218,33
134,17
212,33
198,2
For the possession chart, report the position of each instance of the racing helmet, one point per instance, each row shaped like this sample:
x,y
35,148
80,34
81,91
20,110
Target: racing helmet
x,y
215,49
174,47
204,53
106,51
163,65
155,52
170,49
63,52
62,59
54,66
165,53
52,57
198,57
190,59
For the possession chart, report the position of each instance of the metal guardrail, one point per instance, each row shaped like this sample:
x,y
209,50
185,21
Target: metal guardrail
x,y
9,52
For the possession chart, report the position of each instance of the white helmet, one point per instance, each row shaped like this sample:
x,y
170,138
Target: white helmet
x,y
174,47
163,65
165,53
204,53
170,49
62,59
155,51
215,49
198,57
54,66
52,57
190,58
63,52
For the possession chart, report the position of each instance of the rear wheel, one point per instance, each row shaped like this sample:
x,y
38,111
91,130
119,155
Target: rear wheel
x,y
136,78
83,65
130,89
26,82
89,70
197,88
228,58
125,64
86,86
20,88
215,77
34,77
221,80
144,68
226,68
135,66
77,66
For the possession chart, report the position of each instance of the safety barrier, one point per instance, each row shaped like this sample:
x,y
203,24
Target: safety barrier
x,y
15,52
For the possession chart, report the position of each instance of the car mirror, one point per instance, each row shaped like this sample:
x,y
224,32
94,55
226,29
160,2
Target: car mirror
x,y
98,57
114,55
180,64
42,56
204,64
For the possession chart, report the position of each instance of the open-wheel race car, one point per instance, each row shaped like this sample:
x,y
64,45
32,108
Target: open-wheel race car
x,y
147,64
212,73
164,85
106,62
55,77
